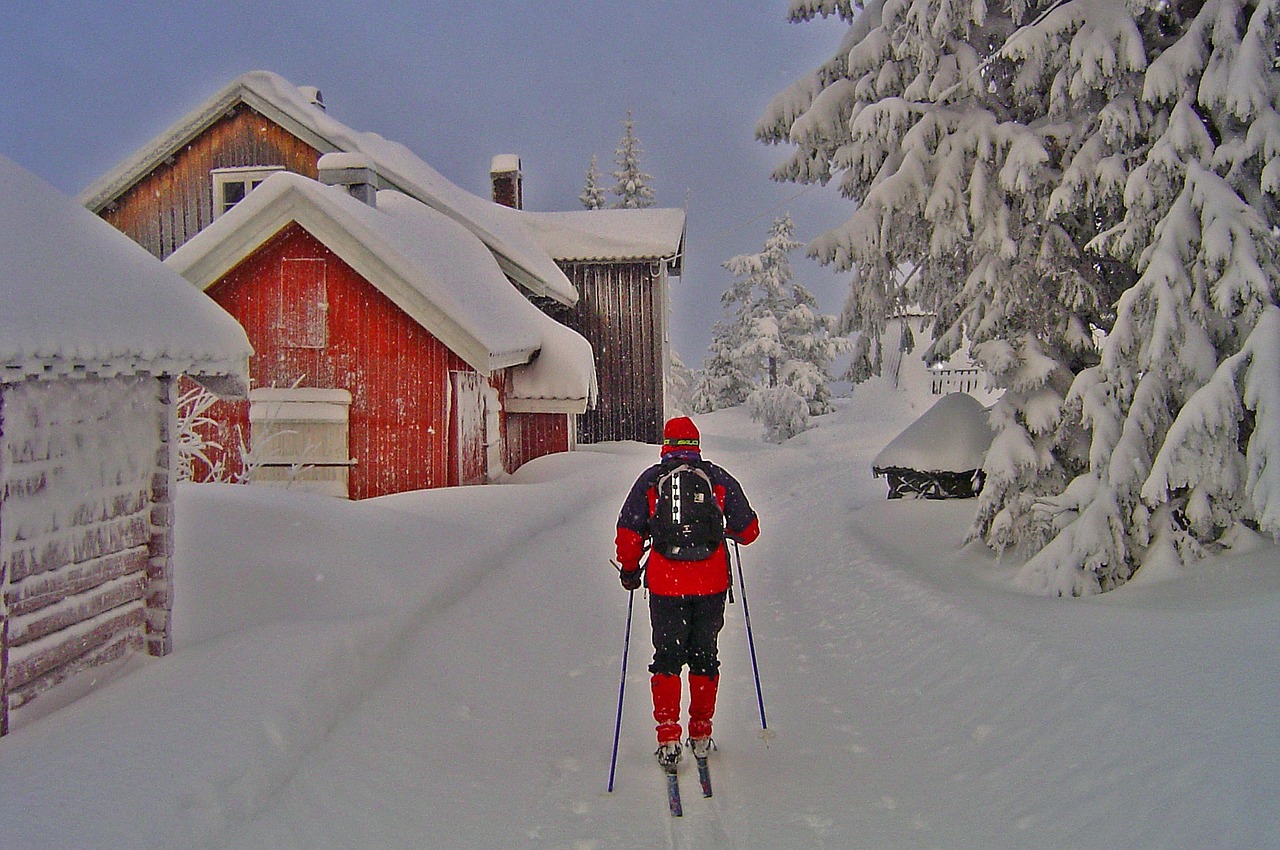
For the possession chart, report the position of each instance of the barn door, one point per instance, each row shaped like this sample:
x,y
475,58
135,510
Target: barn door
x,y
467,443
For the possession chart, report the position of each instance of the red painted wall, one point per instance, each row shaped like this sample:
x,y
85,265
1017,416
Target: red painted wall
x,y
314,322
397,372
532,435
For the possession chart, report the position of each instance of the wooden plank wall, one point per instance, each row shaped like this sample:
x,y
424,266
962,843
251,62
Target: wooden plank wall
x,y
397,372
620,312
175,202
76,534
532,435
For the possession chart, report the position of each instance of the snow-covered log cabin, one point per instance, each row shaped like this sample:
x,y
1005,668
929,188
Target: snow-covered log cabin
x,y
614,295
94,333
391,351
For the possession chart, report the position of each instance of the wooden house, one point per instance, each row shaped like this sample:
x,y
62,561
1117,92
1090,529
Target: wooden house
x,y
94,333
619,262
210,160
392,352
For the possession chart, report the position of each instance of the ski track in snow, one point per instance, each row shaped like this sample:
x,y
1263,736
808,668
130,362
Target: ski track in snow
x,y
915,703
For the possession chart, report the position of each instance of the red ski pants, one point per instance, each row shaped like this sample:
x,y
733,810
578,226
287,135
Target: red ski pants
x,y
686,630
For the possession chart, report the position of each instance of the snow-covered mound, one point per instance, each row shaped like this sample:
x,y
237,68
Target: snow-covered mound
x,y
951,436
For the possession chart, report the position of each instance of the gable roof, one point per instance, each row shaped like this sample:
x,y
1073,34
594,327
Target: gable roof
x,y
79,297
613,234
297,110
428,264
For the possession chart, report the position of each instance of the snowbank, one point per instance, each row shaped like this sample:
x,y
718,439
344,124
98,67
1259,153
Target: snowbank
x,y
446,664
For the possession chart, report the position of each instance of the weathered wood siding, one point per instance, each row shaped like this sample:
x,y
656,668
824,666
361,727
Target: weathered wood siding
x,y
532,435
397,372
175,201
621,311
85,528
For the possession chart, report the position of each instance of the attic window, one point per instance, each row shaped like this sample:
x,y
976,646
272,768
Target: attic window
x,y
231,185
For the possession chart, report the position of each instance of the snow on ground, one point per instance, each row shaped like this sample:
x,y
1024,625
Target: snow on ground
x,y
440,669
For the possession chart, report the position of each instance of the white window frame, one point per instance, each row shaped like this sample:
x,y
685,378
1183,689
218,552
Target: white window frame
x,y
248,176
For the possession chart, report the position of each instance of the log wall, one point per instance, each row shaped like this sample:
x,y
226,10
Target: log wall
x,y
85,548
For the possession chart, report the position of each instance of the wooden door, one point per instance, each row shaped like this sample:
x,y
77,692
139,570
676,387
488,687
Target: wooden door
x,y
467,443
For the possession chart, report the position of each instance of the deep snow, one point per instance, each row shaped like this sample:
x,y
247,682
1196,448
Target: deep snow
x,y
440,669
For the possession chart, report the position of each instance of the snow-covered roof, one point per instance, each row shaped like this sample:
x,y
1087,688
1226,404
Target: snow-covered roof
x,y
295,109
951,436
614,234
78,296
428,264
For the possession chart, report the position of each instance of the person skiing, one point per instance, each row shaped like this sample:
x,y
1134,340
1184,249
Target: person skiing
x,y
667,511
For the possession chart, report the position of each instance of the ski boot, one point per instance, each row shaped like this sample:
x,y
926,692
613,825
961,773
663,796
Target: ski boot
x,y
702,747
668,756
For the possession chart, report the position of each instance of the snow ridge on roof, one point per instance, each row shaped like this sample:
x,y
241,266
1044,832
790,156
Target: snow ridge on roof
x,y
398,167
613,234
432,267
78,296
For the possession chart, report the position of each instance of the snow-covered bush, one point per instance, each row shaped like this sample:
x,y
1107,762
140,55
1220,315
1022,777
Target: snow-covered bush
x,y
783,412
195,442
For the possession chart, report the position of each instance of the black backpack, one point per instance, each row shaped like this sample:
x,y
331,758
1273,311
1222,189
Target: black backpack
x,y
687,523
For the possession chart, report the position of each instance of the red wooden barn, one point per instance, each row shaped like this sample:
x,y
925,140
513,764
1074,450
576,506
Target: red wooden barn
x,y
392,352
614,294
93,335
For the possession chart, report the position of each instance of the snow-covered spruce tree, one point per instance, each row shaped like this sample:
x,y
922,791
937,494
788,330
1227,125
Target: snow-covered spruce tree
x,y
951,152
1184,446
726,380
775,337
680,385
1046,157
592,197
632,187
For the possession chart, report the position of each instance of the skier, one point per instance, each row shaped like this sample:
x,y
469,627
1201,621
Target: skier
x,y
687,577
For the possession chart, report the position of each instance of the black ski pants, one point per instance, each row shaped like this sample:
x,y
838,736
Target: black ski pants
x,y
685,631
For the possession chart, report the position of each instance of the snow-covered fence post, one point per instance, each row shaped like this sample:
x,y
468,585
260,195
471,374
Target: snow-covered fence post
x,y
160,545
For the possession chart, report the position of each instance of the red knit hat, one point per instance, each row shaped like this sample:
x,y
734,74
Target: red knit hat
x,y
680,434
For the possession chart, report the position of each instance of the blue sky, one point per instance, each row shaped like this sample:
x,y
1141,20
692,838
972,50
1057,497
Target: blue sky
x,y
84,84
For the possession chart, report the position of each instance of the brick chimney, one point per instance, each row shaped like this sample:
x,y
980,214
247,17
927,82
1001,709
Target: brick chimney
x,y
353,171
508,183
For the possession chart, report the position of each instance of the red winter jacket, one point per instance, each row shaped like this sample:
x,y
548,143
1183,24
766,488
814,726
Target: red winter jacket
x,y
683,578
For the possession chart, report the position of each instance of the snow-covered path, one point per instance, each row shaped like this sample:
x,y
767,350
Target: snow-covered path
x,y
441,670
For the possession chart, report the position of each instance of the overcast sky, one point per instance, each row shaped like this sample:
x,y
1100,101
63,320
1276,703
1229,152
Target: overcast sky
x,y
85,84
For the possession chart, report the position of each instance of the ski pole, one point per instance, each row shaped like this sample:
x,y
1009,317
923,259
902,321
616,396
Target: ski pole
x,y
622,687
751,643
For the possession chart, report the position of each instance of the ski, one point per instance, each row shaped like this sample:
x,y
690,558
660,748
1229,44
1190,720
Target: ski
x,y
704,776
673,792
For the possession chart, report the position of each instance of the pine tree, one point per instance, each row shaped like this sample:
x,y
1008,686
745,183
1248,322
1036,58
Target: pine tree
x,y
1026,163
775,338
726,380
592,196
680,385
1179,454
632,188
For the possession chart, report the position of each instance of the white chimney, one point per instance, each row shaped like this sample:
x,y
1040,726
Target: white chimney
x,y
353,171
